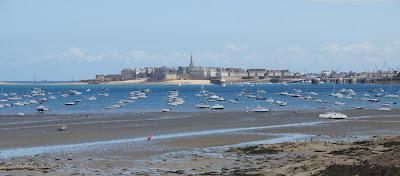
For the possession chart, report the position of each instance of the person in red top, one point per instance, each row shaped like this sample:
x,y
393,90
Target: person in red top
x,y
149,137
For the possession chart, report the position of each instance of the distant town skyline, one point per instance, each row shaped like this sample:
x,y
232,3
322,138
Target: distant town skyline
x,y
74,40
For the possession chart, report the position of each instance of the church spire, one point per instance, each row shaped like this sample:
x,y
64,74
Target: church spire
x,y
191,61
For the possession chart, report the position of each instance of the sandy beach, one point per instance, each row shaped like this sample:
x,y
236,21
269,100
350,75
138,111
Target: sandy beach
x,y
188,82
186,143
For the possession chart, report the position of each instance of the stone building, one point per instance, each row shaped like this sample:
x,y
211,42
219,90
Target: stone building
x,y
128,74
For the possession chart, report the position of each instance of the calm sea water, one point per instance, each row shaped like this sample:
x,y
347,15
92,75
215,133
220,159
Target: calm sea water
x,y
154,101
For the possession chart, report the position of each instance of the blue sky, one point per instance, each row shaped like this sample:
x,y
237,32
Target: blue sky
x,y
71,40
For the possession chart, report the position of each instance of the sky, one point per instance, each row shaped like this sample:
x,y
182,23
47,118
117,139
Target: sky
x,y
75,39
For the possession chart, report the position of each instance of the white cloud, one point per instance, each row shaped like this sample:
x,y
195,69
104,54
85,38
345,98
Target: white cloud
x,y
293,51
365,48
362,49
75,52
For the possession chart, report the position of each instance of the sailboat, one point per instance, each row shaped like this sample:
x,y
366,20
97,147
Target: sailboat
x,y
62,127
258,107
333,114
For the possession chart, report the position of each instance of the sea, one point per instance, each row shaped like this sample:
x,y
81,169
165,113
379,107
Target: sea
x,y
319,97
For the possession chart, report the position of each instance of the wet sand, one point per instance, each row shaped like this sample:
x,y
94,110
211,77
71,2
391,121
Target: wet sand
x,y
183,142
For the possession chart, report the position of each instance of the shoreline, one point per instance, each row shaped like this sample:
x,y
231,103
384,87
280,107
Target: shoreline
x,y
182,141
144,82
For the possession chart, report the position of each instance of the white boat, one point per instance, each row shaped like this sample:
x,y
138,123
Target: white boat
x,y
217,107
297,90
270,100
173,93
44,100
366,95
333,115
357,107
42,108
128,101
146,90
92,98
19,104
1,106
260,109
339,103
221,99
281,103
133,98
113,106
15,98
70,103
251,96
202,106
166,110
283,93
262,91
370,99
392,96
384,109
234,101
74,92
213,97
103,94
20,114
312,93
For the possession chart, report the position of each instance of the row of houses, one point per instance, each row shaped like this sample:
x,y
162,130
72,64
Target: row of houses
x,y
192,72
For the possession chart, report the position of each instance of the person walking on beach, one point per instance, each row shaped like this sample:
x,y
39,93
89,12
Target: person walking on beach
x,y
149,137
